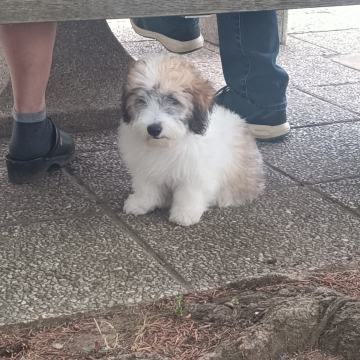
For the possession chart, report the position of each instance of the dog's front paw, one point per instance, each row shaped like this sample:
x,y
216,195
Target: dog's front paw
x,y
136,206
185,216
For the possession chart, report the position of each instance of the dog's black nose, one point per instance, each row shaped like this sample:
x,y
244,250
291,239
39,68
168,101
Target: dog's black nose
x,y
154,130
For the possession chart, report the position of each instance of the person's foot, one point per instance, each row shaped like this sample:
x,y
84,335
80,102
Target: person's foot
x,y
26,163
264,124
175,33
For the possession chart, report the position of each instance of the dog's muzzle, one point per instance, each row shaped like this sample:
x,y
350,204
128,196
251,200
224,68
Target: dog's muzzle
x,y
154,130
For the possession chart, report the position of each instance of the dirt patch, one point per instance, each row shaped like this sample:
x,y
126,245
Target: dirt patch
x,y
271,318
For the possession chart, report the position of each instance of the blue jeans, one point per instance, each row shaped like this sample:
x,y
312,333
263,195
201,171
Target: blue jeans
x,y
249,45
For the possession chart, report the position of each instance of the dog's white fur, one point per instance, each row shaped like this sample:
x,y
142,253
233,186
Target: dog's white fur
x,y
189,166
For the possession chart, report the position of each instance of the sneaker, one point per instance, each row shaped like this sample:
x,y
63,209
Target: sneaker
x,y
175,33
264,124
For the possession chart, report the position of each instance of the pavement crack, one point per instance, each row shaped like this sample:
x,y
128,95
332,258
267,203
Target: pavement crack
x,y
320,31
326,123
282,172
339,84
335,180
307,92
30,221
127,229
311,187
293,35
334,201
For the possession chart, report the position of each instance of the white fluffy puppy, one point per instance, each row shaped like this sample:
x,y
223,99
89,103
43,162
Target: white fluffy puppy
x,y
182,151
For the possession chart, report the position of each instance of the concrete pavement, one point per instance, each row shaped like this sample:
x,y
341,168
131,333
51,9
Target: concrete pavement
x,y
66,247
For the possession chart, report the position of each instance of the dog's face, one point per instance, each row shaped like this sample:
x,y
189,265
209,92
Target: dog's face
x,y
166,99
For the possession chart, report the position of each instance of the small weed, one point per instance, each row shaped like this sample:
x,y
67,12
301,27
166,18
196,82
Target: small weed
x,y
179,306
235,301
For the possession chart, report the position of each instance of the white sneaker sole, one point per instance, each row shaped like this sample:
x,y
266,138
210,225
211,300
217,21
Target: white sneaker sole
x,y
267,132
172,45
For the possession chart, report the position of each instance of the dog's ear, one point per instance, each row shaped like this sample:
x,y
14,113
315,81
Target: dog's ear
x,y
125,106
202,93
133,80
136,71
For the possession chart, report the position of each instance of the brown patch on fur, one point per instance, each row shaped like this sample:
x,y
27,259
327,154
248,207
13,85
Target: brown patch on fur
x,y
242,183
203,93
180,76
135,76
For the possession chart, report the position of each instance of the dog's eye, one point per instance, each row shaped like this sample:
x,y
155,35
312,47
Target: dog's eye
x,y
140,101
171,99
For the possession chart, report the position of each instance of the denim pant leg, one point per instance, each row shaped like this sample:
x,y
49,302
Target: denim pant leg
x,y
249,45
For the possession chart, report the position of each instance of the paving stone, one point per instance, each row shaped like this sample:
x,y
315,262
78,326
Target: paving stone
x,y
294,45
350,60
304,110
346,95
63,267
343,42
123,31
317,154
345,191
140,49
211,47
201,59
324,19
286,230
105,174
51,197
96,140
276,180
309,65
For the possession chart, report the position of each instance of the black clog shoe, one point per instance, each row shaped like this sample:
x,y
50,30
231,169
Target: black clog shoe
x,y
24,171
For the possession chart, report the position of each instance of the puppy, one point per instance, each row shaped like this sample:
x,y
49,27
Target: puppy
x,y
182,150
